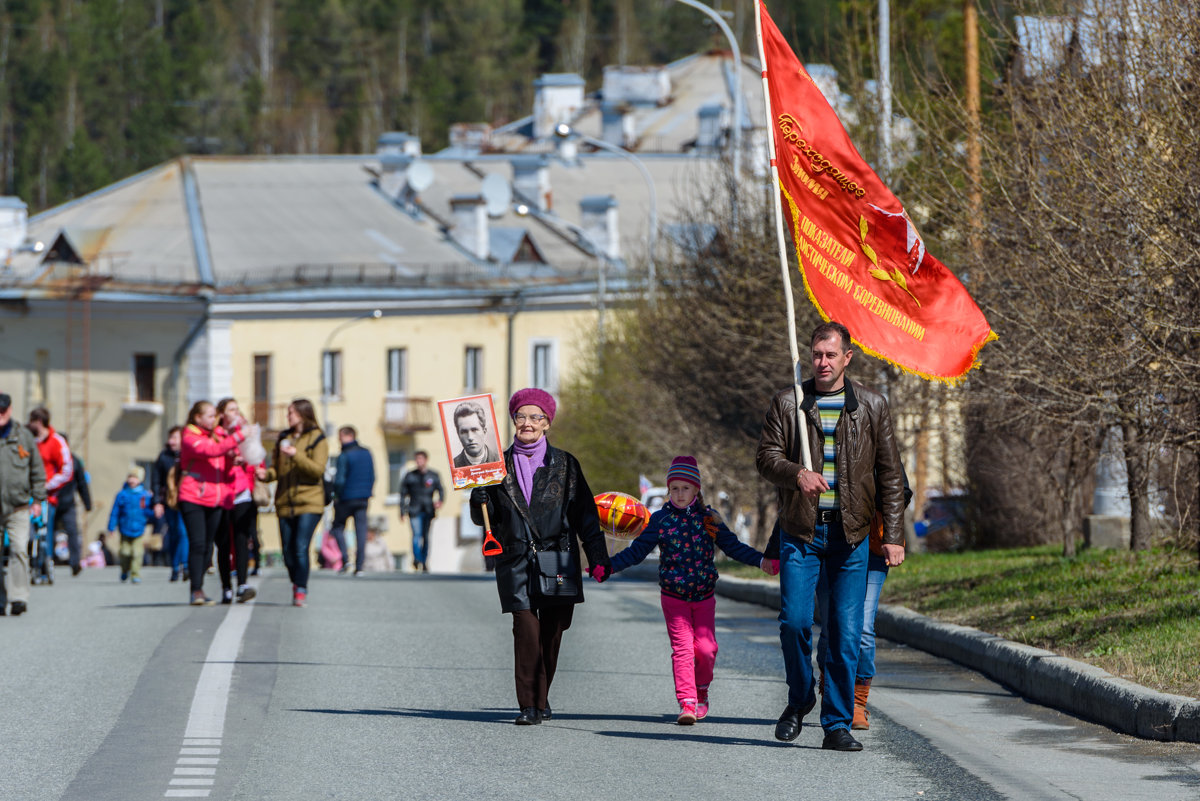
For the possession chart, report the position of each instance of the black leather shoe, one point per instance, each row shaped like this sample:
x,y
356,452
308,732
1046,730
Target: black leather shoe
x,y
841,740
18,608
788,727
528,717
546,714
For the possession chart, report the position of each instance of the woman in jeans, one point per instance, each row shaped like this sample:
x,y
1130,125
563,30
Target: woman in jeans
x,y
203,487
241,514
299,469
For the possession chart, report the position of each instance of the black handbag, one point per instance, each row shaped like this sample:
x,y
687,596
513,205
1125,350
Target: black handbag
x,y
556,572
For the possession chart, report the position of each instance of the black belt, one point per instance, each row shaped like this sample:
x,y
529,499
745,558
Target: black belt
x,y
829,515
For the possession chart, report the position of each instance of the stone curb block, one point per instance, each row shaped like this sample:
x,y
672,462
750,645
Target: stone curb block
x,y
1037,674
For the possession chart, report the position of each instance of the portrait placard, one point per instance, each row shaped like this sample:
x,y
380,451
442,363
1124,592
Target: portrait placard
x,y
472,441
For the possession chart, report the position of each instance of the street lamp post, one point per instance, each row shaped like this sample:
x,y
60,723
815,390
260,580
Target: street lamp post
x,y
374,314
563,130
736,88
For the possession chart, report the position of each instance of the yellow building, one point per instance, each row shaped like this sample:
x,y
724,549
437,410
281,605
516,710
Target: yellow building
x,y
373,285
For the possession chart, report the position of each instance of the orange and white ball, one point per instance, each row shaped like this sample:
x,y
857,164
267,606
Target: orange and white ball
x,y
622,516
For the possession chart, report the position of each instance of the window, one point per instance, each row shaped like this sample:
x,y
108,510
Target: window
x,y
262,388
331,374
543,372
397,370
143,377
396,461
473,374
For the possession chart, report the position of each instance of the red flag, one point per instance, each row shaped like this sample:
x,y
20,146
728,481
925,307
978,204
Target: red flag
x,y
863,261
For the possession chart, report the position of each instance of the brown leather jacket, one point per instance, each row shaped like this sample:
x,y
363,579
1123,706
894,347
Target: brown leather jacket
x,y
866,447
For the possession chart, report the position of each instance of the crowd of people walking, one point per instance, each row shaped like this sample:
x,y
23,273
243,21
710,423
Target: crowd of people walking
x,y
205,490
838,531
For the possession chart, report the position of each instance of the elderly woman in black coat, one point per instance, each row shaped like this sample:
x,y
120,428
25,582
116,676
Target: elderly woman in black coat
x,y
540,514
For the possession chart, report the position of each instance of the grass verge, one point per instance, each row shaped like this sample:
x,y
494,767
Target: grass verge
x,y
1136,615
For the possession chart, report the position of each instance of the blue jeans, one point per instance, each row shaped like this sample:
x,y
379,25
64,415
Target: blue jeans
x,y
296,534
877,571
800,565
176,541
420,527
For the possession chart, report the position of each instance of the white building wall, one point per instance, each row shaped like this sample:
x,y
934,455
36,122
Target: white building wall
x,y
210,363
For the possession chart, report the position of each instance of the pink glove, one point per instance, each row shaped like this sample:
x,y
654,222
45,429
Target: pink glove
x,y
599,572
770,566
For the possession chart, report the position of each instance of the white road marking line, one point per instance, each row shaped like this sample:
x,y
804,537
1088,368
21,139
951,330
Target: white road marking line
x,y
207,718
206,721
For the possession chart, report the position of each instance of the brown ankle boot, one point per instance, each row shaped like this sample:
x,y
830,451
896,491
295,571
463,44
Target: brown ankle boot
x,y
861,690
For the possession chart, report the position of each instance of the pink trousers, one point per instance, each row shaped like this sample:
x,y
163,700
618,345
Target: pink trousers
x,y
693,631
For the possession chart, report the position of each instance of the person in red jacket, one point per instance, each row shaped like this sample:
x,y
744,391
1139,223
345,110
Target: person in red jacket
x,y
56,456
203,488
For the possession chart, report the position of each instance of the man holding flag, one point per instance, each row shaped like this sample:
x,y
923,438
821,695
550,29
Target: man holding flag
x,y
863,262
824,519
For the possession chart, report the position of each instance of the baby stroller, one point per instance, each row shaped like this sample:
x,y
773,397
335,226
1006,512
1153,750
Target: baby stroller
x,y
41,546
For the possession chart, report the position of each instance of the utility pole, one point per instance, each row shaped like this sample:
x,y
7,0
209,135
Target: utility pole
x,y
884,86
974,159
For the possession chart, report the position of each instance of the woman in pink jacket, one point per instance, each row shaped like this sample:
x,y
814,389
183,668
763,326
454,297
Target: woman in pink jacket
x,y
241,513
203,487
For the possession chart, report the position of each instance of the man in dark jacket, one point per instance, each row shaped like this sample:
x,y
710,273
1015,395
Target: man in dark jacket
x,y
353,486
418,504
65,519
22,482
825,516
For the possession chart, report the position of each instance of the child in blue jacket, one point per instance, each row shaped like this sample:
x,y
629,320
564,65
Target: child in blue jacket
x,y
687,534
132,511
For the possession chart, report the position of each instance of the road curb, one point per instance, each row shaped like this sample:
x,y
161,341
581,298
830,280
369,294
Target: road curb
x,y
1037,674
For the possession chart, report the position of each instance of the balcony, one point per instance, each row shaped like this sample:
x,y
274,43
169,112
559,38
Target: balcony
x,y
403,414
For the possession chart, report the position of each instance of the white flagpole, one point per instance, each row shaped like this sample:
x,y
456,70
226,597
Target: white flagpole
x,y
805,456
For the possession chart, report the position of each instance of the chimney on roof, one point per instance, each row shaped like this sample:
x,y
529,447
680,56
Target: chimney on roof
x,y
637,86
598,215
471,224
397,143
14,225
475,137
557,97
617,124
711,128
531,180
392,173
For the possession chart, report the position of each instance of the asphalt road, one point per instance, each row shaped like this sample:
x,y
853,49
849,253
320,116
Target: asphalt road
x,y
401,687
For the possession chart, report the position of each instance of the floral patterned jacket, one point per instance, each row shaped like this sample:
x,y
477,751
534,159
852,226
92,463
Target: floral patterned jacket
x,y
687,540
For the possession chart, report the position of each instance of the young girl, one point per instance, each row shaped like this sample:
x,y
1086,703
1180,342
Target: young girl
x,y
687,534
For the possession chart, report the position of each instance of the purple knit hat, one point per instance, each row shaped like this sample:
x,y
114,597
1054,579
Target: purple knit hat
x,y
532,396
684,468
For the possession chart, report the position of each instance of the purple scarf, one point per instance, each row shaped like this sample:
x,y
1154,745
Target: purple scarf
x,y
526,460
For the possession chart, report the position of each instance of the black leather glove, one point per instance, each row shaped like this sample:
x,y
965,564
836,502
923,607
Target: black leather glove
x,y
479,496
